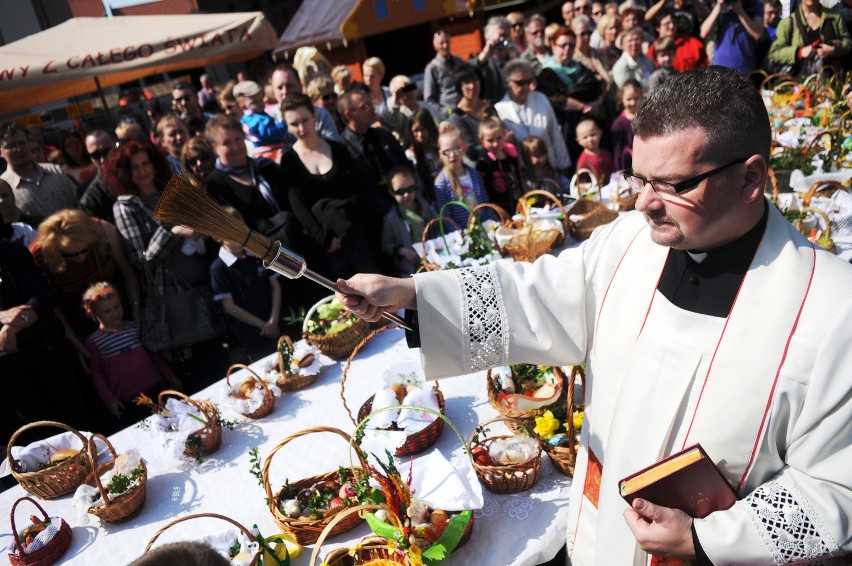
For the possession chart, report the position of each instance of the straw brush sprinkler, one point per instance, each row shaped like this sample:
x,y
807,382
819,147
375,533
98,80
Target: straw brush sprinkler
x,y
185,204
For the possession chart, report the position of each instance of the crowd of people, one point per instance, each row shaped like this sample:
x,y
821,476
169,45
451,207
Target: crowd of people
x,y
348,173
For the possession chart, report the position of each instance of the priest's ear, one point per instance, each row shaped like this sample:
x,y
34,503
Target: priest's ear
x,y
754,179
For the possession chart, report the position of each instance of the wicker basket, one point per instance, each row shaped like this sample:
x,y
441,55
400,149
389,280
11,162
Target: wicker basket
x,y
824,241
563,458
592,213
532,244
268,402
50,552
371,549
288,381
502,217
336,346
208,438
427,229
245,531
415,442
625,198
53,481
505,478
522,421
307,532
824,188
124,506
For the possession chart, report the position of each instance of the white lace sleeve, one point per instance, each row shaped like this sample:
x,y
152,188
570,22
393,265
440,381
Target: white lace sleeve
x,y
484,321
789,527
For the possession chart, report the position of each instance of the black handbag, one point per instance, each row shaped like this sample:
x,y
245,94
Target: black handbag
x,y
186,317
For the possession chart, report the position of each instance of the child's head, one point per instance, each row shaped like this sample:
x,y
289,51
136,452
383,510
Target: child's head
x,y
103,304
403,186
424,131
664,52
491,134
535,152
451,148
589,134
630,95
249,95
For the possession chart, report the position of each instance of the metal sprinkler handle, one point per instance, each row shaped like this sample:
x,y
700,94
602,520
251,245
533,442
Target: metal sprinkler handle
x,y
292,265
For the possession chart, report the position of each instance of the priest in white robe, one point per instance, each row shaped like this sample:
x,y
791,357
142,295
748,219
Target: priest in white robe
x,y
702,318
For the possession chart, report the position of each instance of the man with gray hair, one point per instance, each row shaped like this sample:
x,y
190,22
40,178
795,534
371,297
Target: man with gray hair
x,y
687,338
498,49
537,51
439,86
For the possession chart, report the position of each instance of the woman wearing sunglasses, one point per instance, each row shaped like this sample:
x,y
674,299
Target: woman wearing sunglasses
x,y
198,159
75,250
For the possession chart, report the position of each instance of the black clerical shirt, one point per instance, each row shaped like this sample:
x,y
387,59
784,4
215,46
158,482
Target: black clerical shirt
x,y
708,282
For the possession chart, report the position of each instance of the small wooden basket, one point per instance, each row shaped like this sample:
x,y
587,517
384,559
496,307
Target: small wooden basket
x,y
336,346
288,382
124,506
521,421
625,198
50,552
371,549
563,458
268,402
823,189
533,244
427,229
209,437
308,531
53,481
824,241
245,531
415,442
502,218
511,478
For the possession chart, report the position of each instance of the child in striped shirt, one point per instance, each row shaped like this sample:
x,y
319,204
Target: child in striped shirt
x,y
120,366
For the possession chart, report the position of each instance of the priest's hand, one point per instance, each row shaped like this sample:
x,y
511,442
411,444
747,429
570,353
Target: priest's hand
x,y
368,295
661,531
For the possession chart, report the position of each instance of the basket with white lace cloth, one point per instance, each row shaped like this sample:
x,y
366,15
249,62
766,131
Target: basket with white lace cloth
x,y
43,542
236,543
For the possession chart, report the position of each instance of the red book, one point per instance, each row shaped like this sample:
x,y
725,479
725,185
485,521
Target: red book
x,y
688,480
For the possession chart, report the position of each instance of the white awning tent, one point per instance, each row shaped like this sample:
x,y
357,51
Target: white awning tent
x,y
84,55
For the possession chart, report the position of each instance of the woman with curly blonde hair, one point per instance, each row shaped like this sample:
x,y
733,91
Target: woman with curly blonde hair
x,y
75,250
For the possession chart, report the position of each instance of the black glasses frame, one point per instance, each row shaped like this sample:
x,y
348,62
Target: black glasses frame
x,y
681,187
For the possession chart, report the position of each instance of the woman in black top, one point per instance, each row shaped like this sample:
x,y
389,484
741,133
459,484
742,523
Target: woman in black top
x,y
325,187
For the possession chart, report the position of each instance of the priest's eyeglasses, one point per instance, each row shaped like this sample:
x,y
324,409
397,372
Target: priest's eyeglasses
x,y
638,183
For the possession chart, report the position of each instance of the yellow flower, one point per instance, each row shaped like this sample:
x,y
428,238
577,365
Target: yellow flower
x,y
414,555
546,425
578,419
354,549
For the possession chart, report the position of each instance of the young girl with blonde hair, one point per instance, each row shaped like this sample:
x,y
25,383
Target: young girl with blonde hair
x,y
456,181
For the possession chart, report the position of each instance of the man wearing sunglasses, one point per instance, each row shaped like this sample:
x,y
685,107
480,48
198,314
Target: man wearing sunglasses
x,y
98,199
702,318
185,103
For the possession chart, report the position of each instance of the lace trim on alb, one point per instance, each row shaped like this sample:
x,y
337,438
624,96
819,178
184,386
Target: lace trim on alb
x,y
787,524
484,322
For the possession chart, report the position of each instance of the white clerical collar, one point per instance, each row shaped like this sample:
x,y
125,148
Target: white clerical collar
x,y
227,257
697,257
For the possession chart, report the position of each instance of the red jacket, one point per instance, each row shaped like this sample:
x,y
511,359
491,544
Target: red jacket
x,y
689,55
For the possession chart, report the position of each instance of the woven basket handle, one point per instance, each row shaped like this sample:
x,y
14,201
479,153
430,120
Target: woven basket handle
x,y
550,196
575,372
93,461
166,527
575,180
286,340
15,528
764,85
354,353
502,215
473,216
425,237
774,182
37,424
816,187
235,367
174,393
270,498
339,517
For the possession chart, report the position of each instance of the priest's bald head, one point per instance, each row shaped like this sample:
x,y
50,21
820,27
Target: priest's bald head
x,y
700,156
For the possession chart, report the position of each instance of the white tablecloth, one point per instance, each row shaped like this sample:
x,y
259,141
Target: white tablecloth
x,y
522,529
